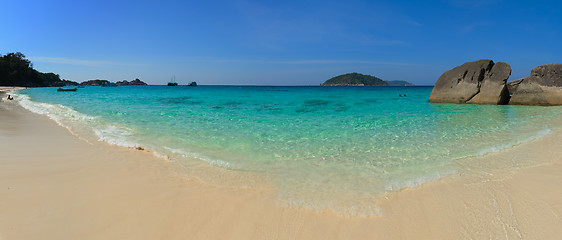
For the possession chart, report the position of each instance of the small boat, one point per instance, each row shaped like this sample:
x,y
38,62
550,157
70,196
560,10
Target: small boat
x,y
192,84
67,89
173,82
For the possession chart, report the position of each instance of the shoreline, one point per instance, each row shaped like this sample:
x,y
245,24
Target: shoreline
x,y
65,188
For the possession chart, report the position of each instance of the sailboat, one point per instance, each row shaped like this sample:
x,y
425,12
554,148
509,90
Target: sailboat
x,y
173,82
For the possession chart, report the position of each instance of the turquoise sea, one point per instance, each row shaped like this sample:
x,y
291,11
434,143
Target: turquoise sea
x,y
318,147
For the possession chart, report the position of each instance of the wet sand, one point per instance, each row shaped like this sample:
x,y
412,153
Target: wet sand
x,y
55,186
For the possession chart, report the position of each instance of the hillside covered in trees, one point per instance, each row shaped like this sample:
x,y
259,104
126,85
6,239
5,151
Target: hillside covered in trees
x,y
354,79
358,79
16,70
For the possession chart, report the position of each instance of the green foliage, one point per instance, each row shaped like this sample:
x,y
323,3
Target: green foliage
x,y
69,83
16,70
354,79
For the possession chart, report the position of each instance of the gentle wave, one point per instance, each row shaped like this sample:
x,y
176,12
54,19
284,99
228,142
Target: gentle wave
x,y
76,122
104,131
417,181
192,155
115,135
56,112
501,147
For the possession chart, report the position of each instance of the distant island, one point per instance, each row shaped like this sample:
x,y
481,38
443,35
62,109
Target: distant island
x,y
134,82
16,70
358,79
399,83
354,79
98,82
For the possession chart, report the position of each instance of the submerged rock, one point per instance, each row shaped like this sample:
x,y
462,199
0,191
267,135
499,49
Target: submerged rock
x,y
543,87
478,82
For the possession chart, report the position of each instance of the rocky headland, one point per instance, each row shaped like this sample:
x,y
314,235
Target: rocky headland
x,y
485,82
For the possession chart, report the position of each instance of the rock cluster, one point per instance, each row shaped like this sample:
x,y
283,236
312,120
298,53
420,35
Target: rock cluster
x,y
543,87
134,82
478,82
485,82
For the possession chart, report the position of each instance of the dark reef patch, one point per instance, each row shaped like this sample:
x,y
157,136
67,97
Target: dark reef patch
x,y
179,100
315,102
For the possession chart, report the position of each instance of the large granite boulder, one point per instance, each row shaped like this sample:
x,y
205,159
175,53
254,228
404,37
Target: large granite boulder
x,y
478,82
511,86
543,87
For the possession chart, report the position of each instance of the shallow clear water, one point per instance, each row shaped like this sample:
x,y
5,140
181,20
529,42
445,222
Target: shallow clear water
x,y
316,144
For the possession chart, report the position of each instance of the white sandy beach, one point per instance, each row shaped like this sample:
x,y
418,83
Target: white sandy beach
x,y
55,186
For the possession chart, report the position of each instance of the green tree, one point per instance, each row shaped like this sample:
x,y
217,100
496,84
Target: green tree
x,y
16,70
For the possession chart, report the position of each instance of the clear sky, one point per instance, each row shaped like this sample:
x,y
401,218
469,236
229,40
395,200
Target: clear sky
x,y
278,42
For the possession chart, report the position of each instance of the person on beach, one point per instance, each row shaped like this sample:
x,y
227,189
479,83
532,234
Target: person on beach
x,y
10,97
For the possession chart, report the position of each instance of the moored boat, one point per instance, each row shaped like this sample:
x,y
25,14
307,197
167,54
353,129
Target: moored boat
x,y
172,82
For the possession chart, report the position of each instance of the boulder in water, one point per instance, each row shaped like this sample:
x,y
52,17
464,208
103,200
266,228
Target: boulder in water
x,y
543,87
478,82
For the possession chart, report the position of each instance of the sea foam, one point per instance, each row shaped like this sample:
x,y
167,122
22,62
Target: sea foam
x,y
80,124
104,131
193,155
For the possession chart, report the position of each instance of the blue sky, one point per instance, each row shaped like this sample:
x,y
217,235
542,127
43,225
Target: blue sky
x,y
278,42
